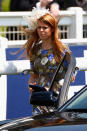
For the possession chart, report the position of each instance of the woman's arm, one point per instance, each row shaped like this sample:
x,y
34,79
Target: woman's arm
x,y
33,81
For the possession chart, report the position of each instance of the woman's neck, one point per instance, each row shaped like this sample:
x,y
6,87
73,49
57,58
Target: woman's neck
x,y
46,44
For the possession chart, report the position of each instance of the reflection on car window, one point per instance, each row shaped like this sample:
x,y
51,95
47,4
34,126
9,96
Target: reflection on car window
x,y
80,102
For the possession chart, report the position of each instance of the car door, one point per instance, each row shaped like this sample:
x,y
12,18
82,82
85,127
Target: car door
x,y
63,96
48,98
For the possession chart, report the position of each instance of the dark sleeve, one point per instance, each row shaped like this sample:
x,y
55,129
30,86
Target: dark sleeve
x,y
64,4
69,3
0,5
13,5
22,5
26,5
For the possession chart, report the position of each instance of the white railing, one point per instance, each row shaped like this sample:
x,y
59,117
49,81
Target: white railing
x,y
14,67
72,23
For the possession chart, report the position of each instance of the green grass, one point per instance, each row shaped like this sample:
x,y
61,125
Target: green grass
x,y
5,5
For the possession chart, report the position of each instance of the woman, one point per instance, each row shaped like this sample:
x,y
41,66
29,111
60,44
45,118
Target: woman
x,y
45,50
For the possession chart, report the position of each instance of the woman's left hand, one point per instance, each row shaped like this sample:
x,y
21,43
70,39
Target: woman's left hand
x,y
72,79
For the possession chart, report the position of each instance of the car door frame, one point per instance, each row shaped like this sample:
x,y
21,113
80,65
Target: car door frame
x,y
63,96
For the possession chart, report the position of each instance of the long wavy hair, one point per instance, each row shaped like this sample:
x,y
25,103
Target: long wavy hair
x,y
58,47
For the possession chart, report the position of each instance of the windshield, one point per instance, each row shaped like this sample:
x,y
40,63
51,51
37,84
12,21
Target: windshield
x,y
79,103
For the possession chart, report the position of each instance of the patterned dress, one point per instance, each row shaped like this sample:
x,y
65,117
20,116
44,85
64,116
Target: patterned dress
x,y
44,65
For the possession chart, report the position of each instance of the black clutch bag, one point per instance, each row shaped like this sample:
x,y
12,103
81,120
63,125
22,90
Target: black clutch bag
x,y
37,88
45,98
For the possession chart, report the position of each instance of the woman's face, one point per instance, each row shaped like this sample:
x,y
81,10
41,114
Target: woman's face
x,y
44,31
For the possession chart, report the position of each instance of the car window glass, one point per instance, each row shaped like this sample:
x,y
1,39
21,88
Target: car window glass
x,y
80,102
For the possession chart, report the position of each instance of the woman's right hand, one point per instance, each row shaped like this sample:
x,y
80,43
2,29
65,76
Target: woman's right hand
x,y
32,81
30,89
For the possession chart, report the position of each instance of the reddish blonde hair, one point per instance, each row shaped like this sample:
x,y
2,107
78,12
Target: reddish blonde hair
x,y
58,47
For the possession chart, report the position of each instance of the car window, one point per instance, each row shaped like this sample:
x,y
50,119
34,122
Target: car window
x,y
80,102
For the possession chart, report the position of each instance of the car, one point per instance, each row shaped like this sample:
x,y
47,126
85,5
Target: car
x,y
68,115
